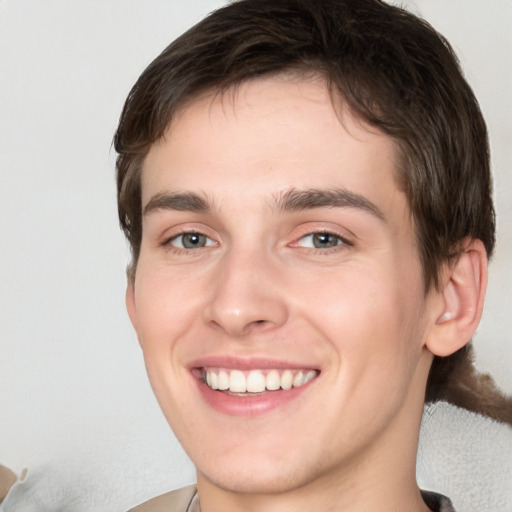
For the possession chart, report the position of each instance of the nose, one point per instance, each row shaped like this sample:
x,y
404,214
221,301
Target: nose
x,y
247,296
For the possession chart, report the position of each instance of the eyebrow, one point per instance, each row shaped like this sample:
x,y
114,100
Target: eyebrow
x,y
296,200
290,200
182,201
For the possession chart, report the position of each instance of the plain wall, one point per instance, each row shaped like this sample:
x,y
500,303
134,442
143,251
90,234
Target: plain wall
x,y
71,371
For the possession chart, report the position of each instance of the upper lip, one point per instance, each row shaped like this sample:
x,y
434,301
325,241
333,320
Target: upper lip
x,y
248,363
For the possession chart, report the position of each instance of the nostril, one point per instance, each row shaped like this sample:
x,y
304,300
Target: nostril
x,y
241,313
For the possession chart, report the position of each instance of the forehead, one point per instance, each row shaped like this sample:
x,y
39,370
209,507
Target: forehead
x,y
276,132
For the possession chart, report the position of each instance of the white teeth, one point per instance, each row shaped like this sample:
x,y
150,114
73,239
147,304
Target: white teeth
x,y
237,382
309,376
214,381
223,381
273,380
298,380
287,379
255,381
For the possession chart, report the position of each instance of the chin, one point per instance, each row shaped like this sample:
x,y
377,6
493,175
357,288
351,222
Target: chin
x,y
258,479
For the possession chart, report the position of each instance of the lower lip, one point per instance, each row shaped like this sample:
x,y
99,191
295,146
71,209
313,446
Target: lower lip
x,y
251,405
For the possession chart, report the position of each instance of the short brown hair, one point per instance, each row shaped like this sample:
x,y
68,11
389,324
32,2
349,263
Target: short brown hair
x,y
391,68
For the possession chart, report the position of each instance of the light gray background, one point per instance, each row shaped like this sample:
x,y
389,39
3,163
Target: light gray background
x,y
74,399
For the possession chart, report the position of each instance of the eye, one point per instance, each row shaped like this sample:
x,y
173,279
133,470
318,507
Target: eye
x,y
320,241
191,241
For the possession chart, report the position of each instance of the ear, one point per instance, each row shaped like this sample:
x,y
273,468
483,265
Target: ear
x,y
459,302
131,306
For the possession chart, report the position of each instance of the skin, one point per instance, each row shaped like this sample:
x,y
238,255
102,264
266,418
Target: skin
x,y
258,287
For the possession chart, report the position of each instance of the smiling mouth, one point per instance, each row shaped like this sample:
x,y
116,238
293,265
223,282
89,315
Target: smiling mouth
x,y
256,381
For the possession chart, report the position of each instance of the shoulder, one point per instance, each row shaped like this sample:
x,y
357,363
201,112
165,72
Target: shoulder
x,y
437,502
174,501
180,500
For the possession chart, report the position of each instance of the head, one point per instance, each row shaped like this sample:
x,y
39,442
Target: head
x,y
391,69
381,67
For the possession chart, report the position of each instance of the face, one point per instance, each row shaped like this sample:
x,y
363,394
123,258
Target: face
x,y
279,296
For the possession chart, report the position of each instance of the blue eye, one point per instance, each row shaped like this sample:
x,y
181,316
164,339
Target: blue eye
x,y
320,241
191,241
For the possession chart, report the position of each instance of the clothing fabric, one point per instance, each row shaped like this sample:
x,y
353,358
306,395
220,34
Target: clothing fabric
x,y
186,500
437,502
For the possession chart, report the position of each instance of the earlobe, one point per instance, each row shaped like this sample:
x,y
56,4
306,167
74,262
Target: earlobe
x,y
461,301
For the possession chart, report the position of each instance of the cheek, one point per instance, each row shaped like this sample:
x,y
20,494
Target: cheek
x,y
369,317
165,301
166,311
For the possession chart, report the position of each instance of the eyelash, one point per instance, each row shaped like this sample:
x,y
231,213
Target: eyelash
x,y
342,242
168,243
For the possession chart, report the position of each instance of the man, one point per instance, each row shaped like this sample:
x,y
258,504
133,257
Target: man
x,y
304,276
